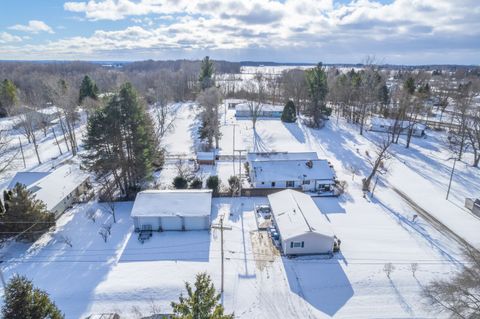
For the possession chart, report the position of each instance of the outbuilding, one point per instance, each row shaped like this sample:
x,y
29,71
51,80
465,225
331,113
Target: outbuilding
x,y
164,210
206,158
302,227
243,110
384,125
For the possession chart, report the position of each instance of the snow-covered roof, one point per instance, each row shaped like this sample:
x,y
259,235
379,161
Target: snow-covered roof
x,y
54,187
263,107
206,156
296,213
26,178
378,121
51,110
292,170
51,187
276,156
188,202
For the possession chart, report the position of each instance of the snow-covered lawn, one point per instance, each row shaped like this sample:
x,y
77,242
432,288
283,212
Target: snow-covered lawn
x,y
125,276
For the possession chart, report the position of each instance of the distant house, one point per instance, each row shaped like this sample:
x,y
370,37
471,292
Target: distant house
x,y
301,226
232,103
242,110
473,205
290,170
58,189
378,124
162,210
206,158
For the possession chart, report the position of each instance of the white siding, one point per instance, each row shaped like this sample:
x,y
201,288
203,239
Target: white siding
x,y
197,223
313,243
172,223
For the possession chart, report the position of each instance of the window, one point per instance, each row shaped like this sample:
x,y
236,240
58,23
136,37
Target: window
x,y
273,184
306,182
290,183
297,244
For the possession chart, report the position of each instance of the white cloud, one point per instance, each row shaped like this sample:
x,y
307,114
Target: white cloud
x,y
311,29
33,26
7,38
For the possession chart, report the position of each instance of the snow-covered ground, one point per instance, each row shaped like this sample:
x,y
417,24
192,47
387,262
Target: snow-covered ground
x,y
125,276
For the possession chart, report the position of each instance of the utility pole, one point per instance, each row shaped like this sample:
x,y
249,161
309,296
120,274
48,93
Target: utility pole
x,y
239,169
23,156
221,248
233,148
451,177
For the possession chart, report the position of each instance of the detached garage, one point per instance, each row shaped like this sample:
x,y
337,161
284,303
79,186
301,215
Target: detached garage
x,y
300,224
163,210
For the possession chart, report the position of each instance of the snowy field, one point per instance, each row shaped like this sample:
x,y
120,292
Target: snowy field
x,y
127,277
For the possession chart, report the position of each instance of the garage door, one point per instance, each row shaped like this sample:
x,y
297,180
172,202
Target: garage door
x,y
196,223
171,223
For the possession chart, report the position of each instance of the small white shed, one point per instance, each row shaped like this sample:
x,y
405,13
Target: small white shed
x,y
302,227
163,210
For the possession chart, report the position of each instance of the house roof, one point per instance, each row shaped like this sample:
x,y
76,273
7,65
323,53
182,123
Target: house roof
x,y
157,203
52,187
26,178
263,107
296,213
276,156
292,170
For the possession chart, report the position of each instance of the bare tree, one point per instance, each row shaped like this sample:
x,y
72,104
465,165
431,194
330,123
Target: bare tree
x,y
294,87
6,154
377,162
463,98
91,214
458,296
103,233
414,268
65,240
256,94
388,268
29,122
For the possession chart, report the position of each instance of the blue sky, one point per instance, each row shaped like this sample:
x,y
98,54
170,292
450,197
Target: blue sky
x,y
343,31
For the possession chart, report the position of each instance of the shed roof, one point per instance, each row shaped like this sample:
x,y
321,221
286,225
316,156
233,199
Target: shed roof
x,y
296,213
292,170
158,203
206,156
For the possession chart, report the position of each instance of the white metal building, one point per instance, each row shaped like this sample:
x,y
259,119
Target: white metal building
x,y
302,227
58,189
162,210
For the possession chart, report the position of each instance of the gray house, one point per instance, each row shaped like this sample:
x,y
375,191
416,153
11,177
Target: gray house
x,y
302,227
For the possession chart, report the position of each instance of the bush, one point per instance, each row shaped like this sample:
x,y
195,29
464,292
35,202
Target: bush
x,y
289,114
234,184
213,183
196,183
180,182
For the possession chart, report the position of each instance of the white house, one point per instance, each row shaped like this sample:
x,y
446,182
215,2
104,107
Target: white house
x,y
162,210
302,227
243,110
58,189
290,170
378,124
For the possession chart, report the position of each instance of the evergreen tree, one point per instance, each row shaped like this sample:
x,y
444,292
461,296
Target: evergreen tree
x,y
289,114
317,91
21,204
201,302
121,141
180,182
206,74
196,183
234,184
213,183
23,301
8,96
88,88
409,85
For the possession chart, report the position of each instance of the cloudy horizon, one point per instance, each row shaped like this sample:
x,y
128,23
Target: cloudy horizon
x,y
409,32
